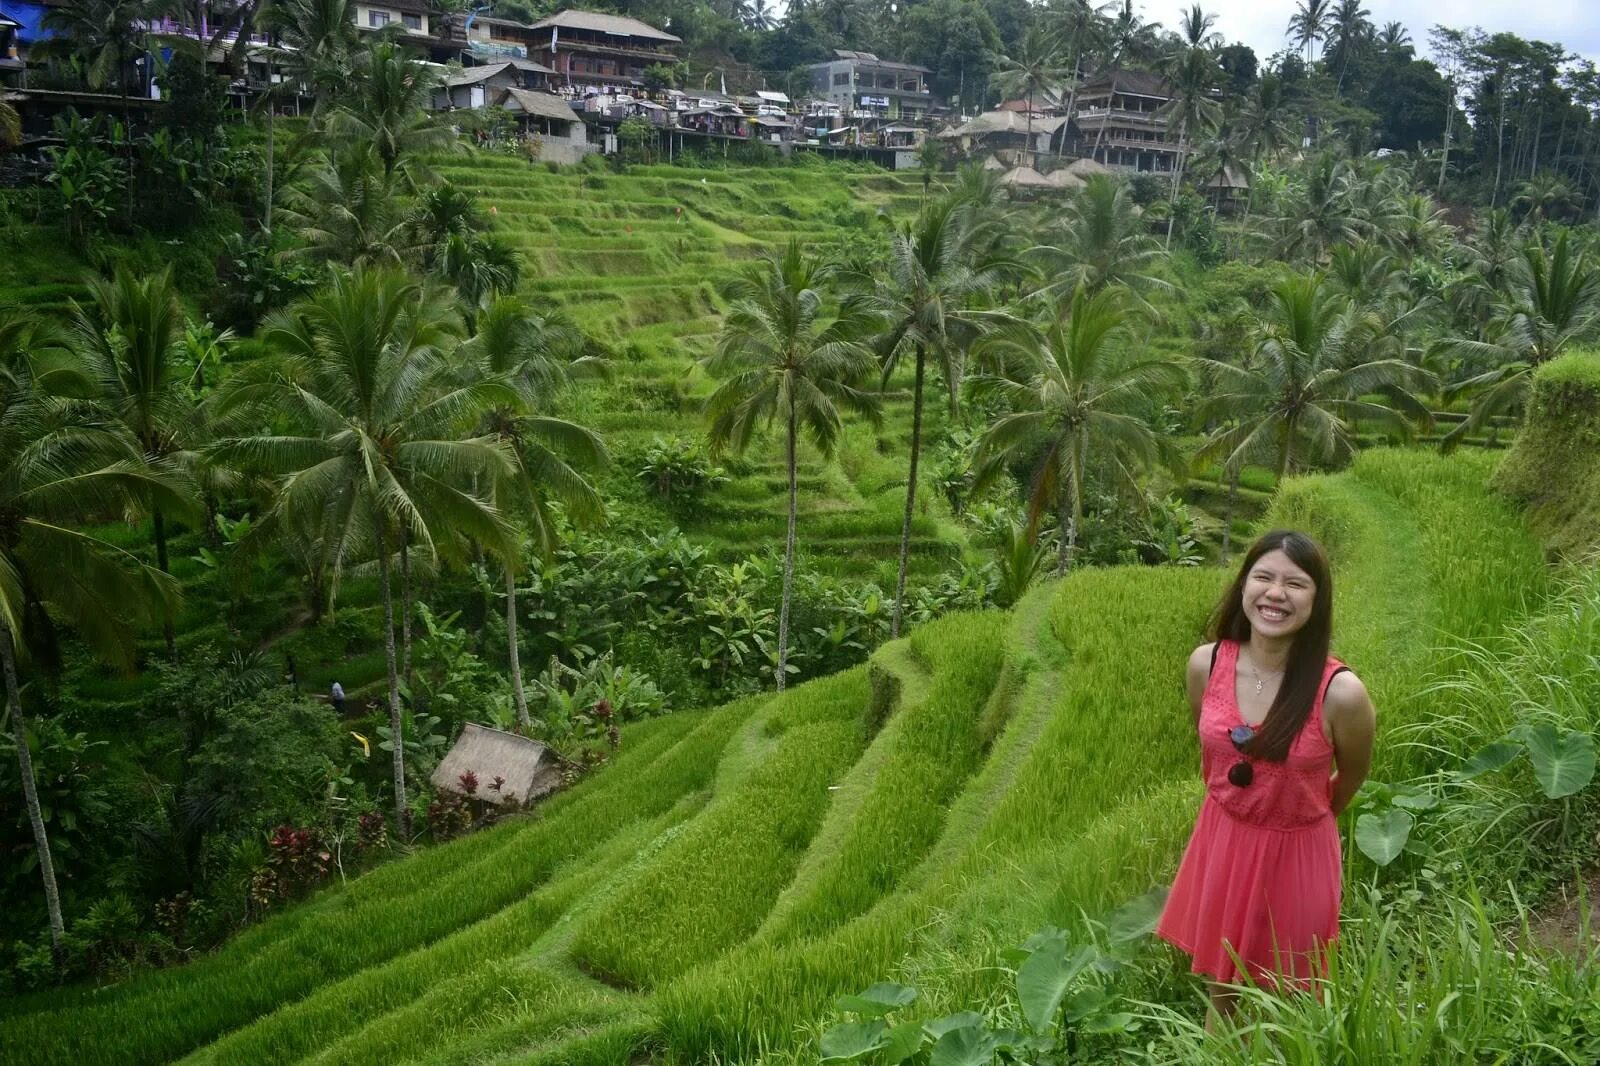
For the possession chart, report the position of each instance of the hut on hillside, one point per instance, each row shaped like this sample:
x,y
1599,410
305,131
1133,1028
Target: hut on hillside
x,y
528,768
1228,188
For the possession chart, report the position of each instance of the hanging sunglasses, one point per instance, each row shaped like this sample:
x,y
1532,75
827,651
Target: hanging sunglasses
x,y
1241,773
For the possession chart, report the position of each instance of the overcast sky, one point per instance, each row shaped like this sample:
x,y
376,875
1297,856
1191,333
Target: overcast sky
x,y
1572,23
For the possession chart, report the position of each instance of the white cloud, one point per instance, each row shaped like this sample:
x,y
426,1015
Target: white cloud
x,y
1262,25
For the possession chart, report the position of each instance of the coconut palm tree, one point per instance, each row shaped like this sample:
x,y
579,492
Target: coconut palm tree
x,y
538,357
64,467
1349,27
348,212
316,45
1553,304
1545,195
1036,70
388,111
1317,213
379,447
926,299
130,336
1070,384
1306,382
783,355
106,35
1192,72
1100,242
1309,24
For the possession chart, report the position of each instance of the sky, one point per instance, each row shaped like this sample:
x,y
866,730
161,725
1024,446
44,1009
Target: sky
x,y
1574,24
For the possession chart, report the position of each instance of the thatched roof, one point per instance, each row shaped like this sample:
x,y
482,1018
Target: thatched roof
x,y
599,22
1006,122
1064,179
1229,177
1085,167
1026,177
529,769
536,103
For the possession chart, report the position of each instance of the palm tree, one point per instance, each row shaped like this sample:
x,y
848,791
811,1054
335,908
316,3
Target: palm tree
x,y
1395,39
379,449
348,212
926,299
1070,385
782,355
388,110
1349,26
1306,381
64,467
1127,38
1308,25
10,126
1553,304
1083,25
1318,213
1545,195
1192,72
105,34
1100,242
1036,70
130,336
555,458
317,42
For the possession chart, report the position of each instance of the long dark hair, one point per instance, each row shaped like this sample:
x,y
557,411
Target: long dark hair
x,y
1308,655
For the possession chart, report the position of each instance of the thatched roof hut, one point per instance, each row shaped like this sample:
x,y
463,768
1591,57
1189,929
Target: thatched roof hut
x,y
528,767
1027,178
1086,168
1064,179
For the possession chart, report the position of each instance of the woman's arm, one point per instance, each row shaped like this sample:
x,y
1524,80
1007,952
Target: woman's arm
x,y
1195,678
1353,723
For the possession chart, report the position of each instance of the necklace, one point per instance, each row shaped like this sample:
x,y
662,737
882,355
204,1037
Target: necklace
x,y
1250,662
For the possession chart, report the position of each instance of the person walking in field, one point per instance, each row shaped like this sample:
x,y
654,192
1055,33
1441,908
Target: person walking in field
x,y
1286,734
336,697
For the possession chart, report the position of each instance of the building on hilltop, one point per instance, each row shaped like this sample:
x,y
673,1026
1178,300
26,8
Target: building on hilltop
x,y
480,86
590,51
1118,122
866,87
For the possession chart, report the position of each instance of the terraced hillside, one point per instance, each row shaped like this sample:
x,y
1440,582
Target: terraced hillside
x,y
640,259
707,896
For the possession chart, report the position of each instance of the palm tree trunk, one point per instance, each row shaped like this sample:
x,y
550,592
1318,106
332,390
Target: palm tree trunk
x,y
911,491
1177,182
518,695
30,794
1076,459
402,819
405,606
1449,123
267,208
1227,514
1286,452
1064,519
788,550
159,523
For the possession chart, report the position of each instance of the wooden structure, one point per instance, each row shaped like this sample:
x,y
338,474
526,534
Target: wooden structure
x,y
528,768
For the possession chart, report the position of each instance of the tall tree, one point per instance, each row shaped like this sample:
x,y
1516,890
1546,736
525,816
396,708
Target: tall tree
x,y
1192,74
1306,383
783,355
927,297
63,467
1100,241
1070,383
1035,70
1349,28
1308,26
380,443
390,111
130,336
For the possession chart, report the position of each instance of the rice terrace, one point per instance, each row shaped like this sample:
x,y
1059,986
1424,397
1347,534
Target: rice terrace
x,y
672,534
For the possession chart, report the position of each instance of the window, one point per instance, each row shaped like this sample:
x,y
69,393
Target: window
x,y
413,22
842,79
377,18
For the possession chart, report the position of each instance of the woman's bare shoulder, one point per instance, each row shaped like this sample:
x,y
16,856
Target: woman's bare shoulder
x,y
1347,695
1200,659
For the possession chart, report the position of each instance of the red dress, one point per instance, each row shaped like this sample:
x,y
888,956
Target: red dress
x,y
1260,878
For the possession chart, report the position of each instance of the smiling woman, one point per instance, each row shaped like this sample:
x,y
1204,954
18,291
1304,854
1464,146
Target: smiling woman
x,y
1257,894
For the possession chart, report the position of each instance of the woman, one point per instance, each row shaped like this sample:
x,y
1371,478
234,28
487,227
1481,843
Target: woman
x,y
1257,894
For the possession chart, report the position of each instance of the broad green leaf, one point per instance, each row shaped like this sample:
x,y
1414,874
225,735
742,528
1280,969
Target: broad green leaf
x,y
1043,980
1381,837
1084,1002
853,1040
878,1000
1417,801
1496,756
1563,763
1137,918
961,1020
970,1045
903,1041
1119,1022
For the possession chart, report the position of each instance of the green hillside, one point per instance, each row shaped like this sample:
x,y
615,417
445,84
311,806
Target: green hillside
x,y
707,896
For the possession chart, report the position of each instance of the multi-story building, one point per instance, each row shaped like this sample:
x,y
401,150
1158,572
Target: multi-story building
x,y
1117,122
378,14
864,86
593,52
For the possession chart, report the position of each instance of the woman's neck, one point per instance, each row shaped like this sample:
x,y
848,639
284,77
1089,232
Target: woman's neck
x,y
1270,653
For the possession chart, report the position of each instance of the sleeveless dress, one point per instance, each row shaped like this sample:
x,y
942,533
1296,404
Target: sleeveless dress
x,y
1260,879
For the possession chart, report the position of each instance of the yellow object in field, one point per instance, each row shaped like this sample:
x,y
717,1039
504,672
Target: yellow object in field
x,y
366,748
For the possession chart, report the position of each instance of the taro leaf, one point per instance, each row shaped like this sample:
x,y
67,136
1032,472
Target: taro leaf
x,y
878,1000
1044,936
1137,918
963,1020
1563,764
853,1040
1011,1040
1381,837
902,1042
1084,1002
1120,1022
1044,978
970,1045
1417,801
1496,756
